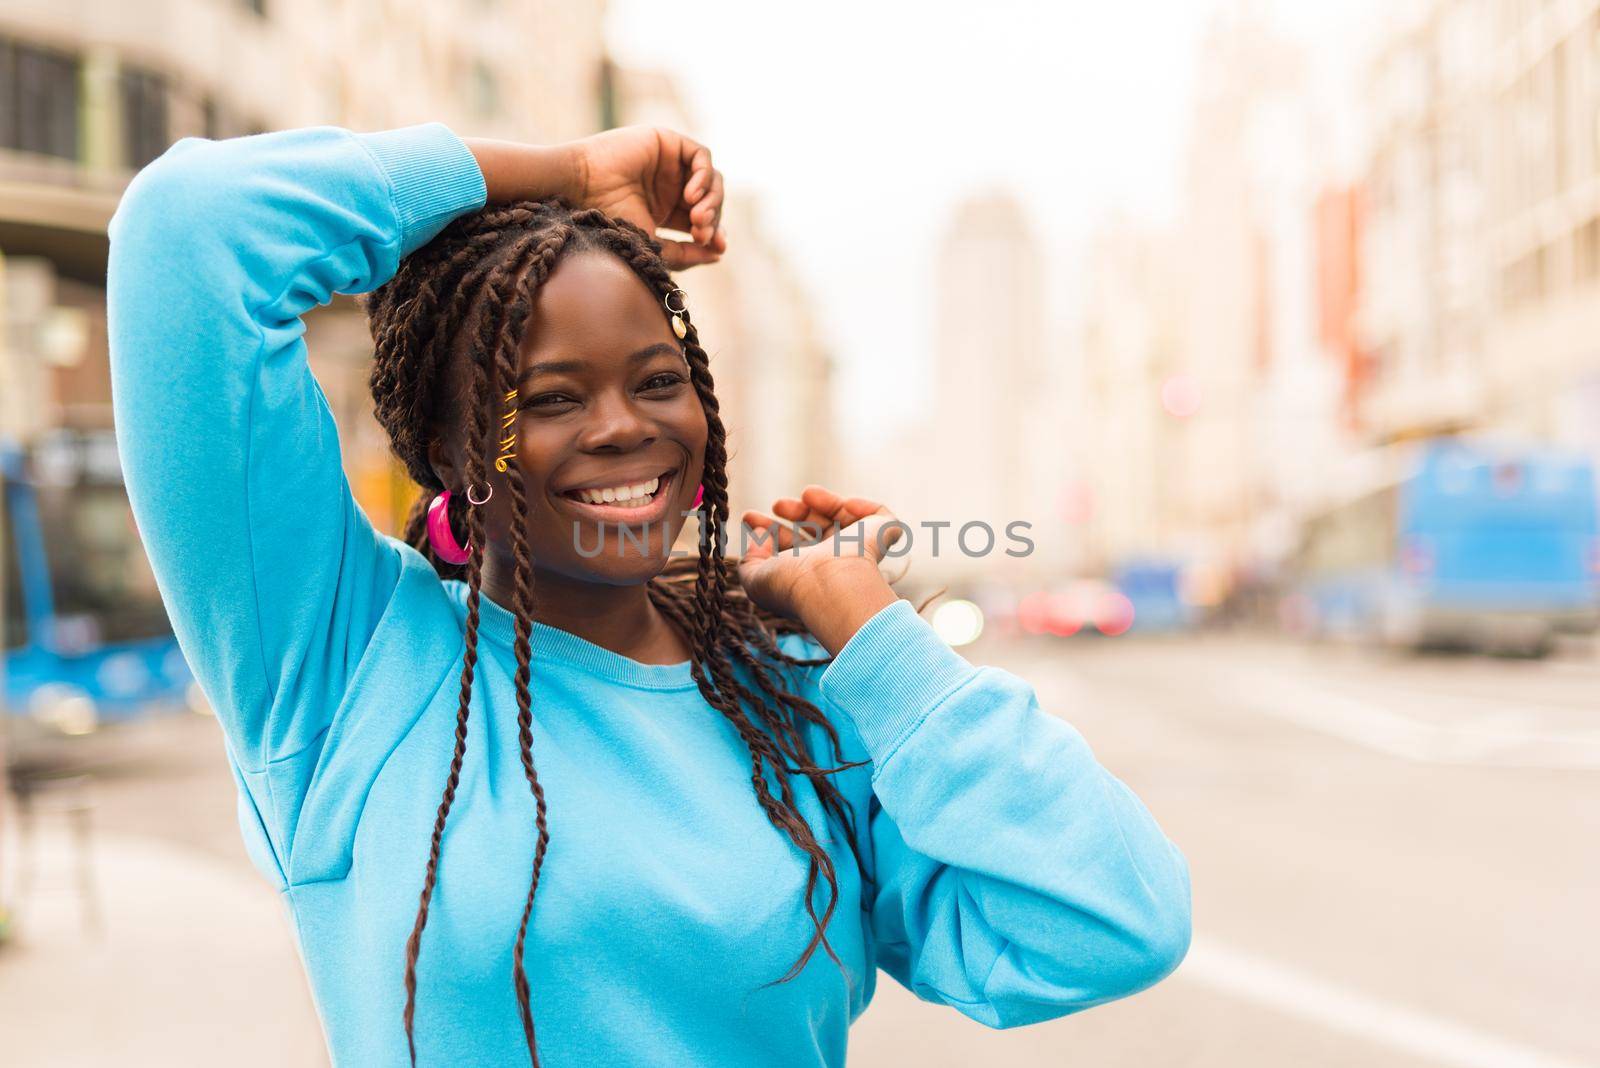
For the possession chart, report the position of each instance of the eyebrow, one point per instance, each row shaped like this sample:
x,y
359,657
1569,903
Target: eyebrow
x,y
552,367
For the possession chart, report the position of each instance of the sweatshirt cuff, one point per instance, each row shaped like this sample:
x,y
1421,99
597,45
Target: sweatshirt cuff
x,y
433,175
890,675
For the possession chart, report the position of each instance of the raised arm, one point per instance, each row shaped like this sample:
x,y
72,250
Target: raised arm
x,y
1019,880
273,577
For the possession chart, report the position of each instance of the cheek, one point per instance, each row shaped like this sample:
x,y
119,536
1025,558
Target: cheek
x,y
691,426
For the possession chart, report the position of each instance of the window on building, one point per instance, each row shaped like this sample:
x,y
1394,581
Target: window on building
x,y
38,100
144,117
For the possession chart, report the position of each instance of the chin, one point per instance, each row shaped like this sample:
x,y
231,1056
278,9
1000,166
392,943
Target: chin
x,y
626,570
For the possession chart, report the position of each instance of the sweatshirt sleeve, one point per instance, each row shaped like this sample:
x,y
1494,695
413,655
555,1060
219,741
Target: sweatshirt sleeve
x,y
1018,879
272,575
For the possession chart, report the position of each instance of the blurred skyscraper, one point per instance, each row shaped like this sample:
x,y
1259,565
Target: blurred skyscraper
x,y
995,449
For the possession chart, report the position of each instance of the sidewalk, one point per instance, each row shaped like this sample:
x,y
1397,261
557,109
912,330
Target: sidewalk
x,y
193,963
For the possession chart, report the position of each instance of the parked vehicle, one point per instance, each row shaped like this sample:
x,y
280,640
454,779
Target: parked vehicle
x,y
87,639
1155,593
1456,542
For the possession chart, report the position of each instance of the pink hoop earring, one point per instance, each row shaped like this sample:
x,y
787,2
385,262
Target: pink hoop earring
x,y
440,536
699,494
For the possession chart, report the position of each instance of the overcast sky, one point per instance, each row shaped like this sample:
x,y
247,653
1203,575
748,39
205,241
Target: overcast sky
x,y
861,124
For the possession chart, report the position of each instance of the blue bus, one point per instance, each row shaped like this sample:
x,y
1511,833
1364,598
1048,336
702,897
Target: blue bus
x,y
87,640
1154,589
1458,542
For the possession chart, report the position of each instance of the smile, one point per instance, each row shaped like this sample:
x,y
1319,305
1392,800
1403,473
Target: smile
x,y
631,503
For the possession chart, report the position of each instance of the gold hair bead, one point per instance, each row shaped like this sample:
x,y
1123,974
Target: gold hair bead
x,y
508,444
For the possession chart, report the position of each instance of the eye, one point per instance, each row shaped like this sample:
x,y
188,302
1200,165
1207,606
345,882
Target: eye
x,y
664,380
545,400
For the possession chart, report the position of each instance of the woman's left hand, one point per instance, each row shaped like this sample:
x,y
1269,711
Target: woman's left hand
x,y
819,541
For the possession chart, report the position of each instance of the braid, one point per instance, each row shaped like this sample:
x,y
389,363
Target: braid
x,y
489,264
539,262
474,564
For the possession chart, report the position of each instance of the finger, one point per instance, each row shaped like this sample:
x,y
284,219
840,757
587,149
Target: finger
x,y
707,213
782,535
758,548
840,509
680,255
791,508
812,522
696,160
804,523
889,534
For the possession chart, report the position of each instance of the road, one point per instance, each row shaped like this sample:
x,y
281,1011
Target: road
x,y
1396,862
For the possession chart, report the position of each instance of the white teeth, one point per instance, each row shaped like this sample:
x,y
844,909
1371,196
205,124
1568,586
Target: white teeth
x,y
634,496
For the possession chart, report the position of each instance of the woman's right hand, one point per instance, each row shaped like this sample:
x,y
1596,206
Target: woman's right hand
x,y
653,176
648,175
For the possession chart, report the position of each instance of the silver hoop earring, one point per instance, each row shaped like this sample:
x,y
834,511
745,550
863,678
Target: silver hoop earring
x,y
473,500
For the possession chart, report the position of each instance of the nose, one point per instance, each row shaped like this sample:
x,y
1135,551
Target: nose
x,y
616,424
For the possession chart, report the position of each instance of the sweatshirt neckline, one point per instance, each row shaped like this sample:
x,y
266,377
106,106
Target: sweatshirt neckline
x,y
552,645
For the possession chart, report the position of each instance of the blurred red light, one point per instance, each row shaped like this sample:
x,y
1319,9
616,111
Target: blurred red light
x,y
1065,620
1113,614
1033,613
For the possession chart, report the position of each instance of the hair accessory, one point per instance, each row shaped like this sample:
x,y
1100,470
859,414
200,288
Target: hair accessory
x,y
699,494
508,444
440,536
472,500
679,327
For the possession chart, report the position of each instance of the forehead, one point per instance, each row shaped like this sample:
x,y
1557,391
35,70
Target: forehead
x,y
593,302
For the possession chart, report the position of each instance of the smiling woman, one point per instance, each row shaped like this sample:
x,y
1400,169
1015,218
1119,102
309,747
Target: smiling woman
x,y
627,796
602,400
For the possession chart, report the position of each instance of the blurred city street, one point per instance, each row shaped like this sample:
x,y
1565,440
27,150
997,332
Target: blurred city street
x,y
1392,858
1257,336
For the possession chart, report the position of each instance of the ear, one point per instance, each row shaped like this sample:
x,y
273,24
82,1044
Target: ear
x,y
443,463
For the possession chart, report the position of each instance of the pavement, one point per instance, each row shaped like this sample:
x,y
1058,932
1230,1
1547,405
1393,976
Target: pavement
x,y
158,944
1394,864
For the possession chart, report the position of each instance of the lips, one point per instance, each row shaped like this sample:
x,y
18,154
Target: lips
x,y
620,479
653,512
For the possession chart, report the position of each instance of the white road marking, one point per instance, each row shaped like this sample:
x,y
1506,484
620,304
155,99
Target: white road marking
x,y
1507,742
1431,1038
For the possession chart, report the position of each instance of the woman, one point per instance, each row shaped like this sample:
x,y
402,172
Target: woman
x,y
667,782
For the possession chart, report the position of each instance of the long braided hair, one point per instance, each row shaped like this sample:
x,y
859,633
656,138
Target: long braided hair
x,y
489,264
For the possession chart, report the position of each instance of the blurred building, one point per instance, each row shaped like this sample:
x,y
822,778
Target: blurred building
x,y
773,371
1541,66
996,443
1256,395
1340,228
1127,440
1426,301
1483,255
90,92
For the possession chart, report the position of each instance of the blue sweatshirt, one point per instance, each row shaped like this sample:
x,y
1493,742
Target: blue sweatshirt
x,y
1018,879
